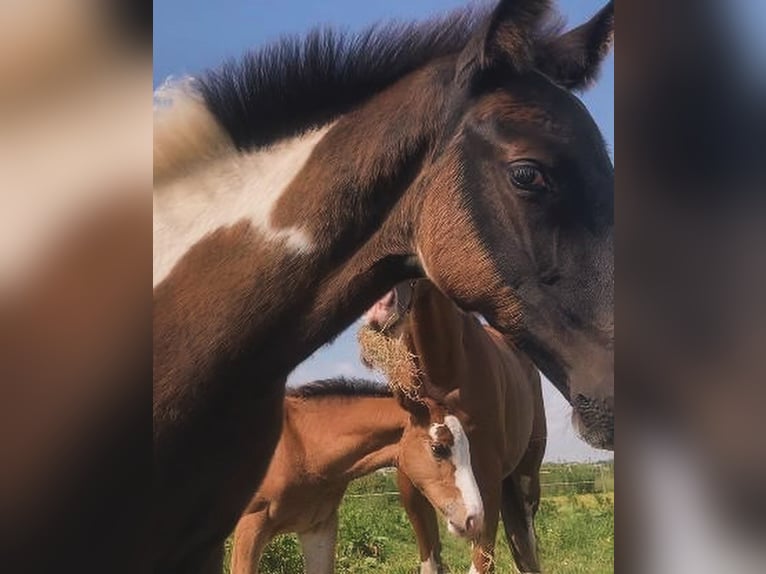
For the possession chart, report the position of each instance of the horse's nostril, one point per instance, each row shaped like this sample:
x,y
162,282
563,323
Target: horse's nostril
x,y
580,401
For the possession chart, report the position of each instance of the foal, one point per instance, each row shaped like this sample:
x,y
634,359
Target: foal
x,y
496,392
333,432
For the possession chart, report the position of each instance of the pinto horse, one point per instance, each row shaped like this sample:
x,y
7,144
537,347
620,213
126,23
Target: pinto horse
x,y
294,188
335,431
496,392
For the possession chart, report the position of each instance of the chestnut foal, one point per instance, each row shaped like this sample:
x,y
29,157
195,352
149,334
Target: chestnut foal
x,y
333,432
495,390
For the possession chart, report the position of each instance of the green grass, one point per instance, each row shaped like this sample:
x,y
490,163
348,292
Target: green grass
x,y
575,526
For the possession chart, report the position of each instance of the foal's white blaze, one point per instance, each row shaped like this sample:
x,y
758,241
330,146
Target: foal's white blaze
x,y
464,477
201,189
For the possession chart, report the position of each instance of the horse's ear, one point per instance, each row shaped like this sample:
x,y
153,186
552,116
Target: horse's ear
x,y
573,59
507,37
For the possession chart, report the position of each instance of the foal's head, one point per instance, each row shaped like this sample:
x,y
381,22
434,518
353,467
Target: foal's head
x,y
434,450
516,206
435,454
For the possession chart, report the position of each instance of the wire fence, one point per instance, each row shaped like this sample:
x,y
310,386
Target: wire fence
x,y
556,479
577,478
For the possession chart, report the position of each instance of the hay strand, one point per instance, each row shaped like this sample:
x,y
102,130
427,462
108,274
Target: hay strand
x,y
392,358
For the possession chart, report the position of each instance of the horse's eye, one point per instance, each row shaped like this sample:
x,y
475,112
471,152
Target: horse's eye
x,y
527,176
440,450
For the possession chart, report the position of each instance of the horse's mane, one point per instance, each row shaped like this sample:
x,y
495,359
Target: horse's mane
x,y
340,387
298,84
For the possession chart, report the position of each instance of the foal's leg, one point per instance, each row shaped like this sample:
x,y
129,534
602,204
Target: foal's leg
x,y
250,538
318,546
521,497
424,522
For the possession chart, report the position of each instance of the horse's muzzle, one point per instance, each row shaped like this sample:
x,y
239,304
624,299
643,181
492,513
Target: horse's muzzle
x,y
594,421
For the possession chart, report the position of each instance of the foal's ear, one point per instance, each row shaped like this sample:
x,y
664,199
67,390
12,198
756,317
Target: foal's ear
x,y
507,37
418,410
573,59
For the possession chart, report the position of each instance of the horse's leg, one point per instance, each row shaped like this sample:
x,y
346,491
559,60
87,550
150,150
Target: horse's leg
x,y
318,546
483,549
521,496
424,522
520,500
250,538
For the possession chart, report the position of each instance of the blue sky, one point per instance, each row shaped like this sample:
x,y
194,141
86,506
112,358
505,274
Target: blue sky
x,y
749,19
192,35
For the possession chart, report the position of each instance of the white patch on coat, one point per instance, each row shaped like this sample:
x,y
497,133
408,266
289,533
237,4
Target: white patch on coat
x,y
429,566
318,548
197,197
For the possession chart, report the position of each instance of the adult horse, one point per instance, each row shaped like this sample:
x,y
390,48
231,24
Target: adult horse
x,y
294,188
337,430
492,388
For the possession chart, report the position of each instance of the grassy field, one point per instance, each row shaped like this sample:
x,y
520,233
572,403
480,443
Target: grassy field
x,y
575,527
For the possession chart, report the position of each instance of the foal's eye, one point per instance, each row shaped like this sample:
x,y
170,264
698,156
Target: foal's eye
x,y
440,450
528,176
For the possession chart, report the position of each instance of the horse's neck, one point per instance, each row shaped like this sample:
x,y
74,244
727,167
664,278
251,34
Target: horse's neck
x,y
321,215
227,320
345,438
238,280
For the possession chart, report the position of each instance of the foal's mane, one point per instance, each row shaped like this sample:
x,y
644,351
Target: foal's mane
x,y
339,387
298,84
